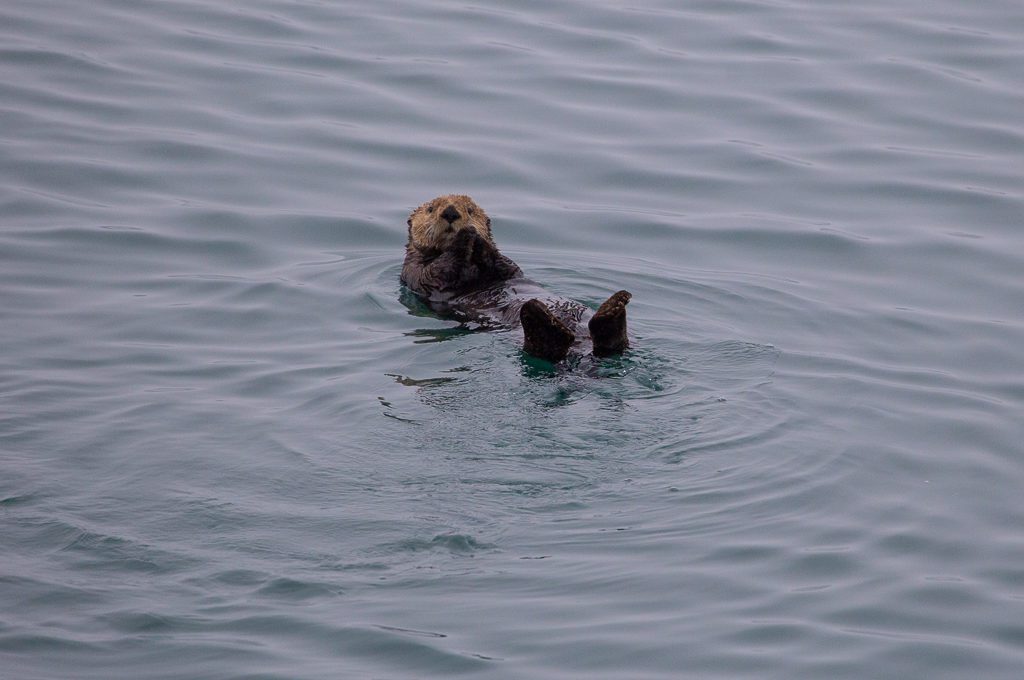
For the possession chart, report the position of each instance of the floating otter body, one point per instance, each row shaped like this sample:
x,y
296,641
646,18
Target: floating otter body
x,y
452,263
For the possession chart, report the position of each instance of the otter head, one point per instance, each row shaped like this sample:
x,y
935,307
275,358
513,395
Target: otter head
x,y
433,225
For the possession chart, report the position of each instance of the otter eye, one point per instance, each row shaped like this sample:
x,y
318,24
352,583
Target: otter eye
x,y
471,211
430,209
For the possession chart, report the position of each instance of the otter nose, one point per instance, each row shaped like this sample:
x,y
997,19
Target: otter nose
x,y
450,214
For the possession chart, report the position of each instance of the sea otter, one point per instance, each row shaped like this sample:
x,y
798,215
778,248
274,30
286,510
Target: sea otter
x,y
452,263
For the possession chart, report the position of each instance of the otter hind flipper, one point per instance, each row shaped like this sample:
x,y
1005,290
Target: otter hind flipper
x,y
608,326
545,336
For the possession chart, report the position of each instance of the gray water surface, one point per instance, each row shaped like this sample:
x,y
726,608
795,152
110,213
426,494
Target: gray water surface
x,y
231,447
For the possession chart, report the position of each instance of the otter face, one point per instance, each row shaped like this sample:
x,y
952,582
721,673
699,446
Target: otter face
x,y
433,225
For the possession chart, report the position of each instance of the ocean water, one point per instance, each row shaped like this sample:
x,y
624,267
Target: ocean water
x,y
232,447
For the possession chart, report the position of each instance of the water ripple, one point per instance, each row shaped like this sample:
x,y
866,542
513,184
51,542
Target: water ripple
x,y
231,447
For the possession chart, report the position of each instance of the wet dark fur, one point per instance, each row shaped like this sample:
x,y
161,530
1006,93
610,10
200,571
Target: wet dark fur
x,y
458,271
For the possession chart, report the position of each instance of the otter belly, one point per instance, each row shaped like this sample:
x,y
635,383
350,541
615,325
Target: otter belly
x,y
502,302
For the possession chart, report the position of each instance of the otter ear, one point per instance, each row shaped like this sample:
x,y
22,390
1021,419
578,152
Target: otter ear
x,y
488,222
409,222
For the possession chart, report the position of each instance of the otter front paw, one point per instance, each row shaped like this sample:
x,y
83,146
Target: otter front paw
x,y
472,248
484,254
464,244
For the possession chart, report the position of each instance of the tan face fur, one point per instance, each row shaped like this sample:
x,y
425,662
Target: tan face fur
x,y
434,224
